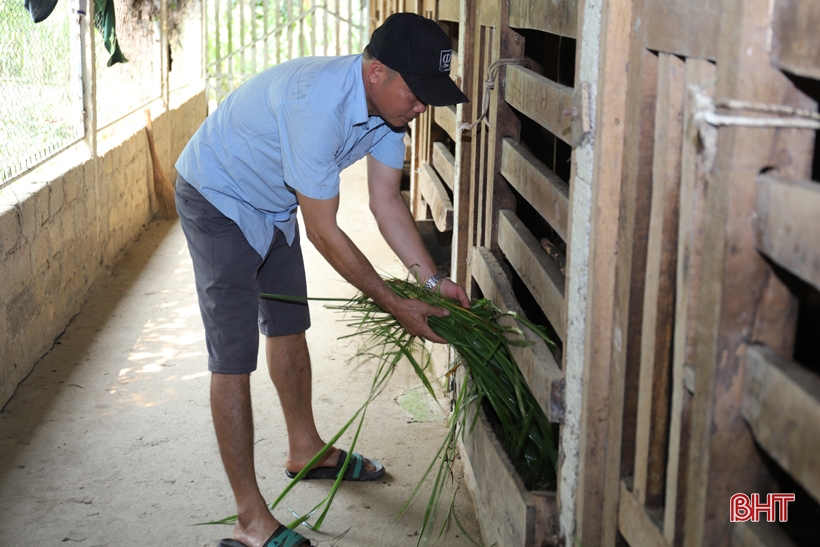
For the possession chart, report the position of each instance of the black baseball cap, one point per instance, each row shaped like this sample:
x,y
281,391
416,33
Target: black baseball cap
x,y
420,51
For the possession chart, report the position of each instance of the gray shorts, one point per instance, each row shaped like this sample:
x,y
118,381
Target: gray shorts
x,y
230,274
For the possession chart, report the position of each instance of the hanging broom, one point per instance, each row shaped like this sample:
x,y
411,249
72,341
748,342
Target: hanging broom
x,y
163,188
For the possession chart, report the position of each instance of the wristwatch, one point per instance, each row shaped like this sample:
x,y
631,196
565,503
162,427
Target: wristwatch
x,y
433,282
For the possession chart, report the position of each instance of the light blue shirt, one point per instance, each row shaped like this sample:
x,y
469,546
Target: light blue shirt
x,y
292,127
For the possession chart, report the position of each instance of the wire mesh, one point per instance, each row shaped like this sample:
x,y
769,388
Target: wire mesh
x,y
40,86
245,37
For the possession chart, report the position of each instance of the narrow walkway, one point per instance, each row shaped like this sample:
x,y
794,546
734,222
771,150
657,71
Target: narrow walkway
x,y
109,441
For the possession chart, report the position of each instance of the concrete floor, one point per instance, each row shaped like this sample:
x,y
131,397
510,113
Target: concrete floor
x,y
109,441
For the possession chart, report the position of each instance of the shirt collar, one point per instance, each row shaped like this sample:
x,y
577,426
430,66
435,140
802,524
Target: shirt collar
x,y
358,113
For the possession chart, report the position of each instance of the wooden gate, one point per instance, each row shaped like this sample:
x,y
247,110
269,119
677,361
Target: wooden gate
x,y
640,183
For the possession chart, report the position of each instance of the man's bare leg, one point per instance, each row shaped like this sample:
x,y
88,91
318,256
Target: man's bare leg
x,y
233,421
289,367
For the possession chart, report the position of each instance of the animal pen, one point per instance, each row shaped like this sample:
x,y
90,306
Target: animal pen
x,y
640,177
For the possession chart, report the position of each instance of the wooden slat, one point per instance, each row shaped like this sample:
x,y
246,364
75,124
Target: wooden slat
x,y
541,100
688,282
536,268
434,193
543,189
659,292
553,16
781,403
795,46
449,10
788,224
504,508
537,364
635,524
445,117
683,27
445,163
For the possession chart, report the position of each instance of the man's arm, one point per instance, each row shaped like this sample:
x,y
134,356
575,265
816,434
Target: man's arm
x,y
321,228
399,229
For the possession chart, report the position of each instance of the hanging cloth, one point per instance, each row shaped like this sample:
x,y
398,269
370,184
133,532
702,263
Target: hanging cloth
x,y
39,9
106,23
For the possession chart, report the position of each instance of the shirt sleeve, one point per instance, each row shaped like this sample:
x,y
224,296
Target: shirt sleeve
x,y
309,140
389,150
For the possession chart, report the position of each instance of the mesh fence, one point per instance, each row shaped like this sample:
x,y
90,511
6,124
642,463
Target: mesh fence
x,y
248,36
40,86
41,93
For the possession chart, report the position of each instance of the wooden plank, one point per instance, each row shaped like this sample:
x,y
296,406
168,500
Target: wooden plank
x,y
444,163
691,236
659,291
609,276
449,10
639,148
795,46
462,231
788,223
759,534
537,269
445,117
504,508
635,524
683,27
435,195
537,364
781,403
553,16
541,100
543,189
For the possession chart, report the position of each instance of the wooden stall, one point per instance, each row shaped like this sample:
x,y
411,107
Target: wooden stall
x,y
642,181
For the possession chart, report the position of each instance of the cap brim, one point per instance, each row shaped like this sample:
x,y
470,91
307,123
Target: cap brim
x,y
435,90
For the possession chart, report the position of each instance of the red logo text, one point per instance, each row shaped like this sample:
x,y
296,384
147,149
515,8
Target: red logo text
x,y
742,508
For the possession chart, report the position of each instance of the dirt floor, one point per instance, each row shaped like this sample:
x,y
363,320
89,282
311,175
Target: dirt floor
x,y
109,441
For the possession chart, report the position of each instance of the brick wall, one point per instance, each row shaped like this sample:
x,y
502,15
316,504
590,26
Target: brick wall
x,y
63,225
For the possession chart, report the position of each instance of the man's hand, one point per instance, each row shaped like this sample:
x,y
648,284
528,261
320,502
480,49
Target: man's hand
x,y
453,291
412,315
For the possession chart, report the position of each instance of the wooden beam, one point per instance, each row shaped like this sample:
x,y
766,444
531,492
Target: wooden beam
x,y
435,195
659,291
781,403
540,99
536,268
444,163
462,231
688,282
543,189
683,27
449,10
537,364
788,223
607,290
445,117
635,524
556,16
795,47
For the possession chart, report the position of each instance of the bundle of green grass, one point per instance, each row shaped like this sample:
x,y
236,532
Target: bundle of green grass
x,y
483,347
494,383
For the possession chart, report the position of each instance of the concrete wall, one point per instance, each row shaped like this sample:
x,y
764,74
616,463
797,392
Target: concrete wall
x,y
64,224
